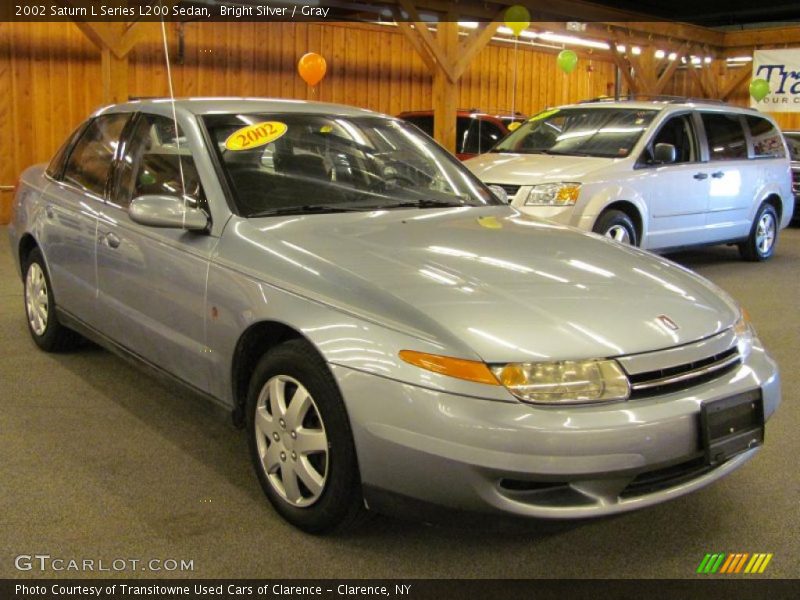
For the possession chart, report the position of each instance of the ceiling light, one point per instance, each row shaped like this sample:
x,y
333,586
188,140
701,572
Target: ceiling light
x,y
672,55
660,54
571,39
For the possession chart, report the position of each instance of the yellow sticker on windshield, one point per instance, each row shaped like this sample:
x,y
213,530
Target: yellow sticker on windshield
x,y
514,125
255,135
326,129
490,223
544,115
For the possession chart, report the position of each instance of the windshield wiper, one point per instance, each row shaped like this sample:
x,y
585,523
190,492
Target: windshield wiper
x,y
426,203
303,210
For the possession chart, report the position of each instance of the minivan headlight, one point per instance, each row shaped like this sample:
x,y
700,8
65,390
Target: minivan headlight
x,y
565,382
553,194
744,332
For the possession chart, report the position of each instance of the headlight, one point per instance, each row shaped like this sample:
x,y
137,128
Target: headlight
x,y
744,332
566,382
553,194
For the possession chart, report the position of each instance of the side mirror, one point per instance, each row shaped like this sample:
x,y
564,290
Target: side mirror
x,y
167,211
664,154
499,193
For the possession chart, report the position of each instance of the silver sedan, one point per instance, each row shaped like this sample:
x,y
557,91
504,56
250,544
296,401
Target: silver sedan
x,y
390,335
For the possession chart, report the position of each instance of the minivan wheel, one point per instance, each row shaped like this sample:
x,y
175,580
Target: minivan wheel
x,y
760,245
40,308
300,440
618,226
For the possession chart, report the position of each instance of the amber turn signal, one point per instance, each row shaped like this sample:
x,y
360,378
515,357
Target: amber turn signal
x,y
469,370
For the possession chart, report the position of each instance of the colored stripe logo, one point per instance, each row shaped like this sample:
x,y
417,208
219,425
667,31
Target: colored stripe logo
x,y
737,562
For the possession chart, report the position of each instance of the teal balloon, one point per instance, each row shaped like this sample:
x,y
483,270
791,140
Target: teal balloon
x,y
759,88
518,19
567,61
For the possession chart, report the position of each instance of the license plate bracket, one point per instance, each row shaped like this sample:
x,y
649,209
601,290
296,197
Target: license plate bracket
x,y
731,426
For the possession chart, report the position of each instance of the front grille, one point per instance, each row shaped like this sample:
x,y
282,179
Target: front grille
x,y
673,379
511,190
661,479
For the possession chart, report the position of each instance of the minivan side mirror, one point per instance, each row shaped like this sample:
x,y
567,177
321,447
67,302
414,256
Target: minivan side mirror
x,y
156,210
664,154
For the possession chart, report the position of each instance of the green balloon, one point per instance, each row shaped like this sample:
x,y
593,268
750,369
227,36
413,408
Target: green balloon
x,y
759,88
567,61
518,19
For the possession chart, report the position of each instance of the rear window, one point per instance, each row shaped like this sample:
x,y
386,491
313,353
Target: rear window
x,y
423,122
725,136
765,138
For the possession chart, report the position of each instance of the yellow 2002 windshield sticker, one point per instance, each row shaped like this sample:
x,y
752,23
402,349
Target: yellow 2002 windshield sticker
x,y
255,135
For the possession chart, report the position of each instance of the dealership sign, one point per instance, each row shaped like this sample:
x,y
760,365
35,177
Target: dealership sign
x,y
781,69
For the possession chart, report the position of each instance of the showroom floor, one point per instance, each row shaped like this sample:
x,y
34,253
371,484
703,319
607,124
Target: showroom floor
x,y
99,461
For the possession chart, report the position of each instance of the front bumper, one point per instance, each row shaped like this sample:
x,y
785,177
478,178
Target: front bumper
x,y
583,461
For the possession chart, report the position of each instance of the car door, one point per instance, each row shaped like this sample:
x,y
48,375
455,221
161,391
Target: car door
x,y
152,281
732,181
676,193
72,201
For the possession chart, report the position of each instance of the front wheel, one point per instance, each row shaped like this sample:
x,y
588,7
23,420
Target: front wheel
x,y
760,245
618,226
300,440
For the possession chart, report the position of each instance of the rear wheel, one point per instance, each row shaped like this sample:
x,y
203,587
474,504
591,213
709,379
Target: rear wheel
x,y
300,440
760,245
40,308
618,226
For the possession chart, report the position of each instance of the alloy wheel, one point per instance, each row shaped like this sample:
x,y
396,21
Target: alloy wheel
x,y
619,233
765,233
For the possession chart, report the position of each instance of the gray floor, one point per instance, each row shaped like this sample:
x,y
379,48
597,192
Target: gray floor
x,y
99,461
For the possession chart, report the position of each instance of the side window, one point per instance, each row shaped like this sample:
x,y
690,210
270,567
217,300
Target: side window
x,y
89,163
678,131
56,166
725,136
765,138
425,123
157,162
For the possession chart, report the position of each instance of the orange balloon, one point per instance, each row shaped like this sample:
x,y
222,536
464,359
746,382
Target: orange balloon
x,y
312,68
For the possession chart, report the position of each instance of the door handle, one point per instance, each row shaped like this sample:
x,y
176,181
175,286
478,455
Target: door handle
x,y
700,176
718,174
48,210
112,240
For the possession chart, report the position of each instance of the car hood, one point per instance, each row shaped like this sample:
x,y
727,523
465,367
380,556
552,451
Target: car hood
x,y
529,169
489,280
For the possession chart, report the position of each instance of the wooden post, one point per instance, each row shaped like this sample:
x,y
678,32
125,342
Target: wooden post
x,y
445,89
114,77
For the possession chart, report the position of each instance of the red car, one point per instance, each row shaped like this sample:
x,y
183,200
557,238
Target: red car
x,y
476,132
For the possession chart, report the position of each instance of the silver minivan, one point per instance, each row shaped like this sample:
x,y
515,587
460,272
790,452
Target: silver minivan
x,y
657,174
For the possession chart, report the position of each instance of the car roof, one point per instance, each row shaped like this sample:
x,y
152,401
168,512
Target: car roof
x,y
206,106
672,104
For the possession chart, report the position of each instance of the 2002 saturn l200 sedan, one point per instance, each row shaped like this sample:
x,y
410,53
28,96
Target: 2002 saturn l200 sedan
x,y
389,333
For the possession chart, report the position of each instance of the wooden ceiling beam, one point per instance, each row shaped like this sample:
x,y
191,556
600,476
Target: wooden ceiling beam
x,y
474,43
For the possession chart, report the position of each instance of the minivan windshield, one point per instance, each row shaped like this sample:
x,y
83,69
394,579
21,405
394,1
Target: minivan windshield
x,y
579,131
295,163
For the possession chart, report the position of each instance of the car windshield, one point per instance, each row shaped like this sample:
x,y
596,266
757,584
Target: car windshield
x,y
579,131
302,163
793,141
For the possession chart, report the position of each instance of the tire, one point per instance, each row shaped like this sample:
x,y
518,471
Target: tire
x,y
40,308
305,458
763,238
618,226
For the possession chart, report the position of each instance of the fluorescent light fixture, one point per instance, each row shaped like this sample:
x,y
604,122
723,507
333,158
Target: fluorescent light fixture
x,y
571,39
707,60
672,55
636,50
468,24
620,47
660,54
740,59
